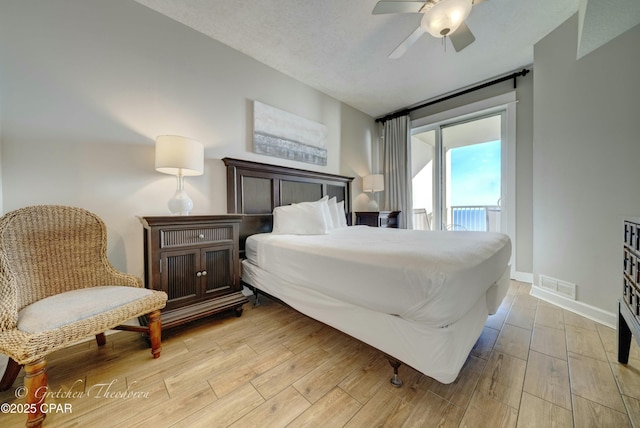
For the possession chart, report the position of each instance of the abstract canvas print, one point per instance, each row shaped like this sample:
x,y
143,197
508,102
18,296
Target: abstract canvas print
x,y
284,135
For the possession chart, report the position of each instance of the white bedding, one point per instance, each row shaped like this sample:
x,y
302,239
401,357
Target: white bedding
x,y
437,352
432,278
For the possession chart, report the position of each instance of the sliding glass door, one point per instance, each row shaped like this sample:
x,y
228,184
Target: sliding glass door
x,y
457,175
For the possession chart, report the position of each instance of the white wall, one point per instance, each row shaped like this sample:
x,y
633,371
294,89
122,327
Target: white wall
x,y
87,85
1,209
586,152
360,135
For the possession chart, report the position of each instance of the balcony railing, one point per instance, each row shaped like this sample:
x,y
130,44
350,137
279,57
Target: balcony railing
x,y
484,218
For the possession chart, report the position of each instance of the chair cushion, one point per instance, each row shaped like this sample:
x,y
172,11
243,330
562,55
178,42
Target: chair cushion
x,y
66,308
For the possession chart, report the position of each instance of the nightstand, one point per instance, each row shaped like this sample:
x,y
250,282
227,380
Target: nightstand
x,y
378,218
195,260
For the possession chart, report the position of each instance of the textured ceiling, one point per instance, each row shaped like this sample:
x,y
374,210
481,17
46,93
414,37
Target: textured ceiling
x,y
341,49
602,20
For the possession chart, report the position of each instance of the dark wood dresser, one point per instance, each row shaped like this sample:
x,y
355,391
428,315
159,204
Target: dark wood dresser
x,y
195,260
378,218
629,304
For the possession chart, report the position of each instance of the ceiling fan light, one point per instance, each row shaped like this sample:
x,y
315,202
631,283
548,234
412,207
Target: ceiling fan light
x,y
445,17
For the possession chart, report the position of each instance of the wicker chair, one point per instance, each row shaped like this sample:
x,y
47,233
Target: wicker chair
x,y
57,287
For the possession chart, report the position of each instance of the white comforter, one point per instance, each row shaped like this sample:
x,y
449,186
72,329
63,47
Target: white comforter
x,y
433,278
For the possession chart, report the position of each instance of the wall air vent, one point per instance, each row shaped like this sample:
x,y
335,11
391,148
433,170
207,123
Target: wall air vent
x,y
558,287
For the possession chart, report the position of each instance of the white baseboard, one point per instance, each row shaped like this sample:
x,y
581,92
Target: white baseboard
x,y
595,314
522,277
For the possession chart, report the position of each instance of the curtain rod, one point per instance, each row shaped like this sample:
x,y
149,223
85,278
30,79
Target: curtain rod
x,y
403,112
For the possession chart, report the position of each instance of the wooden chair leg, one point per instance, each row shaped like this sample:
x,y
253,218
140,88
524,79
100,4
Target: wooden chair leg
x,y
35,382
155,333
101,339
10,374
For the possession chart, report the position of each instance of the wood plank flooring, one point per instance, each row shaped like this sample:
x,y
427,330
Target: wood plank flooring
x,y
535,365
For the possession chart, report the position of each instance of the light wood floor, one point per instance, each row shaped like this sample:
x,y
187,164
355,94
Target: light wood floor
x,y
535,365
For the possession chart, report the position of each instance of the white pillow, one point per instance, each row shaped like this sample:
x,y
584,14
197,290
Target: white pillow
x,y
326,211
342,218
304,218
335,213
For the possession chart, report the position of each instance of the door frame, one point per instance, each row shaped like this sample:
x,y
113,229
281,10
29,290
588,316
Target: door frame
x,y
504,104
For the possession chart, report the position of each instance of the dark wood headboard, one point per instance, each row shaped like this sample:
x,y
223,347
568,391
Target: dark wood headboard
x,y
255,189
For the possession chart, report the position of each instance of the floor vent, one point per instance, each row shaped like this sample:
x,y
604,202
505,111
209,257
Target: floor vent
x,y
559,287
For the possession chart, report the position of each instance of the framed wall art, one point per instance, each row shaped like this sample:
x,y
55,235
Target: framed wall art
x,y
285,135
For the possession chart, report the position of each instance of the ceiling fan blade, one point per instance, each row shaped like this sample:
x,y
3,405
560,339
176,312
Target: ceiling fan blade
x,y
397,7
406,43
462,37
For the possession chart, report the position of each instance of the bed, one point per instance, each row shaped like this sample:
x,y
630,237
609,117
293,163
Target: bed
x,y
420,297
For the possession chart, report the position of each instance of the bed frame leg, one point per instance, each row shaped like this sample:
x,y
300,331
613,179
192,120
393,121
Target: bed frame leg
x,y
395,380
257,302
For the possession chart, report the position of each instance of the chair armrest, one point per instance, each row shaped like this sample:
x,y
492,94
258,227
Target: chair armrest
x,y
8,314
128,280
112,276
8,303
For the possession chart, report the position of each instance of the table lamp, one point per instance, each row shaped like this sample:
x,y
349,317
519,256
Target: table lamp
x,y
371,184
179,156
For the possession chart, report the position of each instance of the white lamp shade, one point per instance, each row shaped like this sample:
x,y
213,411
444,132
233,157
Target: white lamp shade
x,y
445,17
373,183
179,155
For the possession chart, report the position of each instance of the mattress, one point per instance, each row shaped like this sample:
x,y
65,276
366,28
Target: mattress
x,y
428,277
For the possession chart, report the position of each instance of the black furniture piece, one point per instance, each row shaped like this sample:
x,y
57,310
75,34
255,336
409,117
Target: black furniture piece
x,y
629,304
378,218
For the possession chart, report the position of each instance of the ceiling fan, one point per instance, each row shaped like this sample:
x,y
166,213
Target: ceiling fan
x,y
442,18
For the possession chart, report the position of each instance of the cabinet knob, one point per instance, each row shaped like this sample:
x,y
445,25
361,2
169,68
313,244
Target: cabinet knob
x,y
201,236
204,273
198,274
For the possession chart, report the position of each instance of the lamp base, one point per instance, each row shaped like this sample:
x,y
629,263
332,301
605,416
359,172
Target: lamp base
x,y
373,205
180,203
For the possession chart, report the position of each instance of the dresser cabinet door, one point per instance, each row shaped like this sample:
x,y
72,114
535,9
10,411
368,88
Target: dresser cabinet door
x,y
179,277
192,275
219,267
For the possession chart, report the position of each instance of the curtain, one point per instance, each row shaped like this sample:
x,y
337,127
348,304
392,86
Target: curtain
x,y
396,167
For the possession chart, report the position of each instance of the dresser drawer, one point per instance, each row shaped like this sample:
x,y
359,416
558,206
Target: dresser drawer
x,y
631,235
205,235
633,301
629,263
